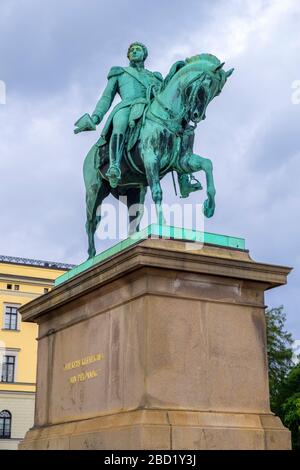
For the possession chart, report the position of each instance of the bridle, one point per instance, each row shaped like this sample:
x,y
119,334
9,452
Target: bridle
x,y
184,114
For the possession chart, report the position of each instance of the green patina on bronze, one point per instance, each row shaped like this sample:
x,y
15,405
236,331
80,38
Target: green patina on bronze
x,y
149,134
156,231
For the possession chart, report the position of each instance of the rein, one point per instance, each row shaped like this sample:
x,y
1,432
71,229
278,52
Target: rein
x,y
169,111
171,115
163,121
172,123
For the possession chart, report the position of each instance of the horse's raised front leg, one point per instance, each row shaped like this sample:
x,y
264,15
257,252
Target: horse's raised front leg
x,y
151,162
192,163
209,203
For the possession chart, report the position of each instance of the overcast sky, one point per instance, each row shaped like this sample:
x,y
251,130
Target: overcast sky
x,y
54,59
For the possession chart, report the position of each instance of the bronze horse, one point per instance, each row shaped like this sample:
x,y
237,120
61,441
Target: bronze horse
x,y
164,144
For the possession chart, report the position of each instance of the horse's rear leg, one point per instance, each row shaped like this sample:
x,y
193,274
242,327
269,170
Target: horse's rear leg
x,y
135,204
91,218
94,197
151,162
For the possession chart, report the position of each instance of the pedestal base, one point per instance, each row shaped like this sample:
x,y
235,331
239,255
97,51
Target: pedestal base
x,y
164,430
157,347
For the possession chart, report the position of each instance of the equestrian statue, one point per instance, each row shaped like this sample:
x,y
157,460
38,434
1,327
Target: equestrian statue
x,y
148,134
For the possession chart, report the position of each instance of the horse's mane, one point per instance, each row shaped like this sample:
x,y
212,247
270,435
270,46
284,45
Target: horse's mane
x,y
212,59
182,63
173,70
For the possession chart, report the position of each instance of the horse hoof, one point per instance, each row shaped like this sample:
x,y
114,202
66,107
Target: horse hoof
x,y
207,210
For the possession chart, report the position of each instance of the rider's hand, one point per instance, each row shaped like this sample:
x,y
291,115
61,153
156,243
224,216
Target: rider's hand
x,y
86,123
95,119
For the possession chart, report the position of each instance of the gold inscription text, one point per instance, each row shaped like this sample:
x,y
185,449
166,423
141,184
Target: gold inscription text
x,y
83,361
83,376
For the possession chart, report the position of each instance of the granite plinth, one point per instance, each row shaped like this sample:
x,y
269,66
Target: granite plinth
x,y
157,347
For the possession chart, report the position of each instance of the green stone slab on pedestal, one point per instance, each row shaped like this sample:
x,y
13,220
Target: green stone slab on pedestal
x,y
156,231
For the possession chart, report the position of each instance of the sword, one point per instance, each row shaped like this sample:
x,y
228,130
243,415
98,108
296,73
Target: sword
x,y
174,183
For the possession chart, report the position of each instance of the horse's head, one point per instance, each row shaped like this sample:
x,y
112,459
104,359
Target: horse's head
x,y
202,79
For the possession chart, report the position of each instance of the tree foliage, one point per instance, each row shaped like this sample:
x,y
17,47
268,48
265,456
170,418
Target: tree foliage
x,y
288,404
284,376
280,352
291,418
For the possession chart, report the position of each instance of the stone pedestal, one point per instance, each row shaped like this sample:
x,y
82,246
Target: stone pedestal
x,y
157,347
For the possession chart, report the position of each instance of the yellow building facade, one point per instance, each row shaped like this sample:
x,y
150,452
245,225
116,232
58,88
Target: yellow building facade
x,y
21,280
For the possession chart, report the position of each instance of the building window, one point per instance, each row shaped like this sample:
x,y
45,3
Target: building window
x,y
46,290
5,424
8,369
17,287
11,318
9,286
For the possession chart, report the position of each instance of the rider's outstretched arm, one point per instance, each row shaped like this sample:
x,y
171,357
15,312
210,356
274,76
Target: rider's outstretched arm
x,y
108,95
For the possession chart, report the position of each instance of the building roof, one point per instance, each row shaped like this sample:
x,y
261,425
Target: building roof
x,y
36,262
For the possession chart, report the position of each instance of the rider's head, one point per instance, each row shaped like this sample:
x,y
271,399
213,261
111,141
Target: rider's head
x,y
137,52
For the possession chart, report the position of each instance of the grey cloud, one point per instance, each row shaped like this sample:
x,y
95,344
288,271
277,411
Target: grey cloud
x,y
54,59
48,44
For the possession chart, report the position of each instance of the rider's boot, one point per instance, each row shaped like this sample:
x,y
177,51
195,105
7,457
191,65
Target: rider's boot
x,y
186,186
116,148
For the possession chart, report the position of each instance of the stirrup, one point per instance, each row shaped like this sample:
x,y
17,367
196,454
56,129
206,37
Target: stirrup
x,y
197,185
192,185
114,175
